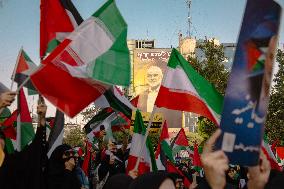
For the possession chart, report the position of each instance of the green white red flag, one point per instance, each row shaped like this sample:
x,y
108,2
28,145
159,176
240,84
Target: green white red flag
x,y
87,62
185,90
164,150
147,157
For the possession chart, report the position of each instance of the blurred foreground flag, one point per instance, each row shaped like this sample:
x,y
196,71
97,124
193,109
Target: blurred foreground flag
x,y
90,60
247,94
57,19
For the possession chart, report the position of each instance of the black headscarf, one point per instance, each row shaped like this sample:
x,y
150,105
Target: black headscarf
x,y
150,180
118,181
56,163
58,176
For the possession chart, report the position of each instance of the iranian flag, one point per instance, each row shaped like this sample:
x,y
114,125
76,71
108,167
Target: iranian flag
x,y
90,60
147,157
180,142
185,90
58,18
164,150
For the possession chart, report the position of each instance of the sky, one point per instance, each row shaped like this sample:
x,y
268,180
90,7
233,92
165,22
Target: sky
x,y
161,20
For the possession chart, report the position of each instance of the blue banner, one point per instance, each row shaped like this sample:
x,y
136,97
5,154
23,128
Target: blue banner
x,y
247,94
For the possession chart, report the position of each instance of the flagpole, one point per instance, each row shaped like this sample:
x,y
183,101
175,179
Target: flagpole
x,y
145,139
22,85
15,68
19,137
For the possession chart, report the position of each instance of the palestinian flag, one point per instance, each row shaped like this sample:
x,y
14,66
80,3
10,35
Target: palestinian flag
x,y
101,121
184,89
87,62
87,159
266,148
147,157
55,137
115,99
164,150
58,18
49,125
120,121
23,69
196,158
256,56
171,168
280,154
25,130
8,126
9,130
180,142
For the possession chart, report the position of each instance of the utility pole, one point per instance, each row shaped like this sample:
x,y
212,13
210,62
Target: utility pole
x,y
188,2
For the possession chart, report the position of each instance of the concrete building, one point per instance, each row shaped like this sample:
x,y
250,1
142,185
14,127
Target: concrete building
x,y
229,51
187,46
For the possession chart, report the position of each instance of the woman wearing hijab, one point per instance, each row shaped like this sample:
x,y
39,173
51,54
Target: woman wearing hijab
x,y
61,172
24,169
152,180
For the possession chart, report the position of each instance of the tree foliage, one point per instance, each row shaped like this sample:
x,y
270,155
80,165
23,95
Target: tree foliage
x,y
90,112
75,137
274,125
213,70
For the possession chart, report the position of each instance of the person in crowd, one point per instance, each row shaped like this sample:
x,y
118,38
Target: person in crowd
x,y
118,181
24,169
6,99
215,164
154,180
61,172
110,165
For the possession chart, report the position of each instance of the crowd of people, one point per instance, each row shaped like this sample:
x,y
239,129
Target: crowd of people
x,y
30,168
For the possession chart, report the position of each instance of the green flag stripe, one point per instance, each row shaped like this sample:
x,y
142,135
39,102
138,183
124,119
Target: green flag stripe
x,y
111,17
139,126
115,61
52,44
167,150
205,89
27,58
152,154
27,134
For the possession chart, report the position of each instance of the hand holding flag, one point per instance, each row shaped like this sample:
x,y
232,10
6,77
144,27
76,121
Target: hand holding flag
x,y
41,111
214,163
7,98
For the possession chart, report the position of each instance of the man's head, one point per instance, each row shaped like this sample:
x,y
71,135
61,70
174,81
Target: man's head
x,y
154,76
